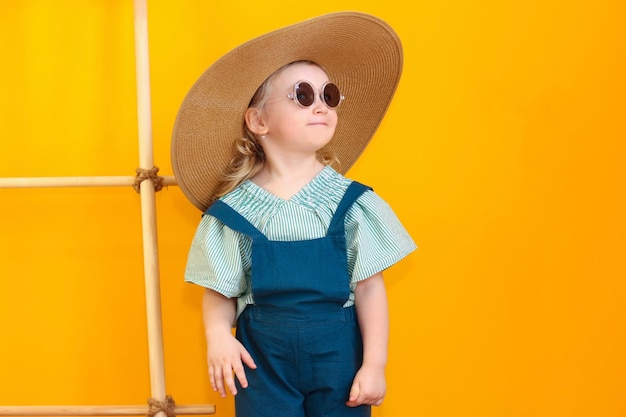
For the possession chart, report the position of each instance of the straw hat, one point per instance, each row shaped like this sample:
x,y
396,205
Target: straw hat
x,y
362,55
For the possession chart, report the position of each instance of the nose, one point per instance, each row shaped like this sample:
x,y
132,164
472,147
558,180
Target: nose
x,y
319,106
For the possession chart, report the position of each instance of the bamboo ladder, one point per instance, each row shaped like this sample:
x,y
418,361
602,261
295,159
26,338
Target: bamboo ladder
x,y
160,405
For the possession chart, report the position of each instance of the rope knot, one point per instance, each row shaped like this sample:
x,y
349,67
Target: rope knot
x,y
148,174
155,406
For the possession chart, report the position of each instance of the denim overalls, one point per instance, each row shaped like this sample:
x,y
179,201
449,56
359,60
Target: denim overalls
x,y
306,345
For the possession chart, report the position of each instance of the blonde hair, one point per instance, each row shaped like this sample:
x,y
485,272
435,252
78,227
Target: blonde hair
x,y
249,155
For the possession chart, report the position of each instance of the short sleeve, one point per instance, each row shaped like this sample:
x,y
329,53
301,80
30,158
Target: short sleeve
x,y
375,237
215,258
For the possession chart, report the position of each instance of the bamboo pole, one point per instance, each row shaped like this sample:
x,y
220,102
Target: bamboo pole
x,y
99,410
60,182
148,207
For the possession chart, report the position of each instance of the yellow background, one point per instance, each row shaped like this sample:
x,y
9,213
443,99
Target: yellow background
x,y
504,154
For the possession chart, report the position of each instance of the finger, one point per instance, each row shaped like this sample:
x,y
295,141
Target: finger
x,y
219,381
354,396
212,378
229,380
247,359
240,373
355,390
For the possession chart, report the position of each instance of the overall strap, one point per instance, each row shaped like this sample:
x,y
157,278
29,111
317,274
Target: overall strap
x,y
231,218
354,191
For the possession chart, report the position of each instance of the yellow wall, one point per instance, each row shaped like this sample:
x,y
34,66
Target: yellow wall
x,y
504,154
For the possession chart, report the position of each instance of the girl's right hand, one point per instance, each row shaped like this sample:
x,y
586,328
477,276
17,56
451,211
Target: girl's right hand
x,y
226,356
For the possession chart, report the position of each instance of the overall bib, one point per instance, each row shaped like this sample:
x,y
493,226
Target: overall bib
x,y
306,345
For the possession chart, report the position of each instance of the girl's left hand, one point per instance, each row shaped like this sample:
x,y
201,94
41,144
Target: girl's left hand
x,y
368,387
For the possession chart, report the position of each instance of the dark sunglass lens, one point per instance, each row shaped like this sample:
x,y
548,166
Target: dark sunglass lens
x,y
332,96
305,94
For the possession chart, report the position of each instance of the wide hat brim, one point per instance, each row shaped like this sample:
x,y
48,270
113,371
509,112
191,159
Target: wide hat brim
x,y
361,54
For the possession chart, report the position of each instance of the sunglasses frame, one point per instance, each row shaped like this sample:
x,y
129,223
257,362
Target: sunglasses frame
x,y
320,93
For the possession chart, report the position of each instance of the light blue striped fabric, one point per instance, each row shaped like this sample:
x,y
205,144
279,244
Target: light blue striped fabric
x,y
219,257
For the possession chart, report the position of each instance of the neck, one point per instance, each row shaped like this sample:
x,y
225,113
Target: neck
x,y
286,178
292,168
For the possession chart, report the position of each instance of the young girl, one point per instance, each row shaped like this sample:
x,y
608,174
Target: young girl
x,y
289,250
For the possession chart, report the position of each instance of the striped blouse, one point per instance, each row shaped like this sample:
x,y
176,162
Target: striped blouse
x,y
220,258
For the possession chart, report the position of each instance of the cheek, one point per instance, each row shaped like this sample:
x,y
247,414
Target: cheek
x,y
333,119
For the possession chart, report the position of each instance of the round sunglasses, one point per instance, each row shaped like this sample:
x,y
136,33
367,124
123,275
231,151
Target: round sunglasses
x,y
304,94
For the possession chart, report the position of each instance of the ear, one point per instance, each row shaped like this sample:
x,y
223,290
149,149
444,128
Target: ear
x,y
255,121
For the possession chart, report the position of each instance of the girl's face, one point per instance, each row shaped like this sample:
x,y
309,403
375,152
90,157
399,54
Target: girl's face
x,y
291,127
